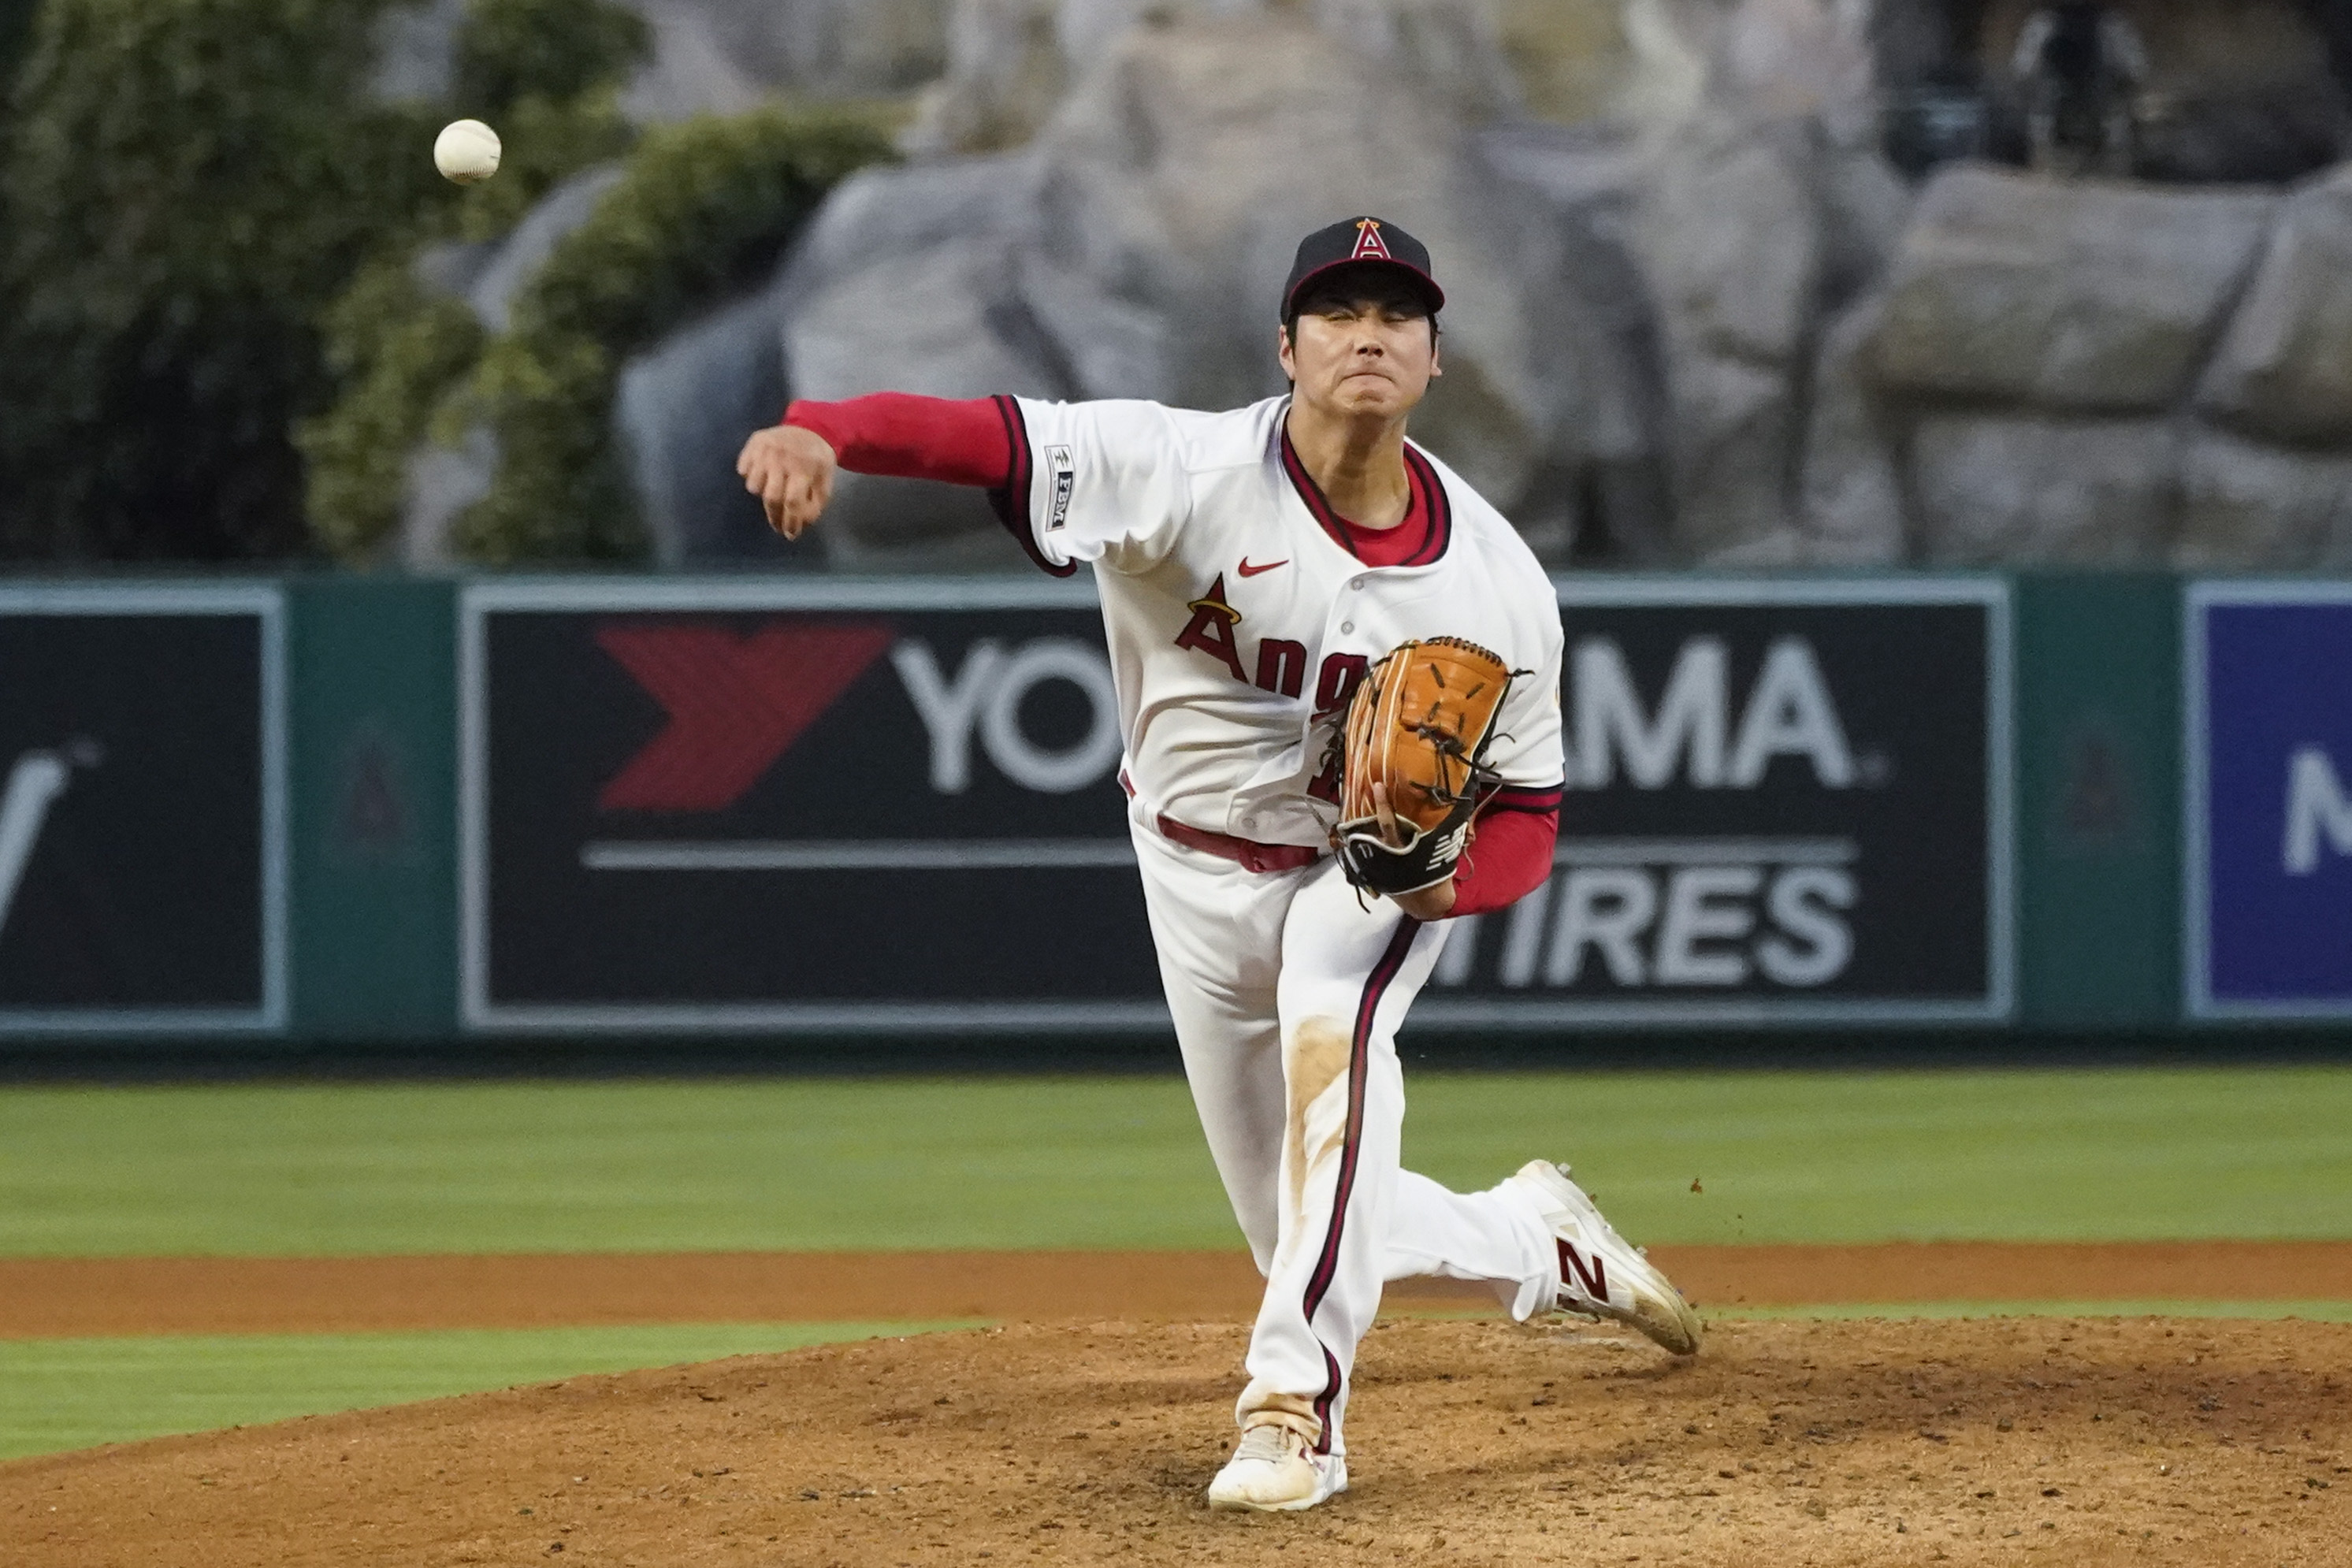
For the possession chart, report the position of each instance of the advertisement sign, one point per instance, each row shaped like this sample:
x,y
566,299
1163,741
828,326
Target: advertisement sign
x,y
1787,802
2269,809
796,806
142,809
894,805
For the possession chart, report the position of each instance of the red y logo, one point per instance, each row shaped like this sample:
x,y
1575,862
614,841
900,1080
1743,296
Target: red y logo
x,y
735,704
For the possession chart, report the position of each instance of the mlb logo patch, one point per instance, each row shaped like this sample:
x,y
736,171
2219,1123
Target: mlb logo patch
x,y
1065,480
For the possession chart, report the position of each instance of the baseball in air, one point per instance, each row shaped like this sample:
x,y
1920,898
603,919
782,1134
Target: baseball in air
x,y
467,151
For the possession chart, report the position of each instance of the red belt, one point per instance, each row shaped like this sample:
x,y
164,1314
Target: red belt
x,y
1247,853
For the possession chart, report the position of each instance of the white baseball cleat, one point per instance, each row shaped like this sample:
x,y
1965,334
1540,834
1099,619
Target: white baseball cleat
x,y
1601,1276
1275,1470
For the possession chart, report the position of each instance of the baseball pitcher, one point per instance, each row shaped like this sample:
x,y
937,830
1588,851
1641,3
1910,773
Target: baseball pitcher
x,y
1339,674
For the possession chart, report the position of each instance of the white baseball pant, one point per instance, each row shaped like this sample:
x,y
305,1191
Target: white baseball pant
x,y
1287,993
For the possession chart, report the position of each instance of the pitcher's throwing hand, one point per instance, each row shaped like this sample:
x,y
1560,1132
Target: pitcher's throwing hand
x,y
791,470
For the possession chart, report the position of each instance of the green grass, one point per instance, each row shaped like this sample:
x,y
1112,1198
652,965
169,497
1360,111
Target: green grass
x,y
1085,1162
75,1394
2131,1155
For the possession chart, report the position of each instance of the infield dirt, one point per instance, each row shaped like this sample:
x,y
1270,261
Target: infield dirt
x,y
75,1296
2059,1441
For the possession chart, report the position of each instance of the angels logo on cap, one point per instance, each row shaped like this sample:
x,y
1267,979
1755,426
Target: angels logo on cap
x,y
1362,241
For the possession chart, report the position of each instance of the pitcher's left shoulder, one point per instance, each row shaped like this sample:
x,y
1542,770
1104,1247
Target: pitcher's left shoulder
x,y
1480,518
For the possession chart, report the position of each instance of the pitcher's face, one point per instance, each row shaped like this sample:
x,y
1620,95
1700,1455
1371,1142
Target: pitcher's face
x,y
1361,350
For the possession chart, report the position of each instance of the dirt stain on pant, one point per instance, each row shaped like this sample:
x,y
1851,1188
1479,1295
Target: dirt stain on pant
x,y
1314,1058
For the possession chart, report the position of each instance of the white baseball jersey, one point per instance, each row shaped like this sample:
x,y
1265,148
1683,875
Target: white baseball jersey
x,y
1239,625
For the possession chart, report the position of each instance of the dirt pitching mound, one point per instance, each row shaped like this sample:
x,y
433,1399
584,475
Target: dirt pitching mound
x,y
2101,1441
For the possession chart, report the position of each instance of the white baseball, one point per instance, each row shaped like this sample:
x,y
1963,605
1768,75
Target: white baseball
x,y
467,151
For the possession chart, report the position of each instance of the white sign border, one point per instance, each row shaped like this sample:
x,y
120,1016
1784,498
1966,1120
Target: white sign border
x,y
478,1013
2197,998
267,602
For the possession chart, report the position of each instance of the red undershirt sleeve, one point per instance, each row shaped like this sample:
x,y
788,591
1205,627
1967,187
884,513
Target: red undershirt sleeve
x,y
958,441
1511,854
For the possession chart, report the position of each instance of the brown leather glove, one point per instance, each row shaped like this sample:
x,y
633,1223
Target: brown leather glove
x,y
1413,763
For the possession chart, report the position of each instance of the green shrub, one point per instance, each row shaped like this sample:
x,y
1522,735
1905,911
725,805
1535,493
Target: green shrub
x,y
15,31
185,179
704,208
514,50
187,184
544,73
543,142
397,348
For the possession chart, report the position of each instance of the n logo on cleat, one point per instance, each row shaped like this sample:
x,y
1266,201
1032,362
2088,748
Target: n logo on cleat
x,y
1574,1273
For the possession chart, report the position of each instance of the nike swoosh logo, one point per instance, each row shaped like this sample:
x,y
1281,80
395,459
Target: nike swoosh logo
x,y
1249,571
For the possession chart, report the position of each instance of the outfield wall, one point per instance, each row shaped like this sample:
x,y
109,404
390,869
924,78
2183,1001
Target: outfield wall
x,y
343,809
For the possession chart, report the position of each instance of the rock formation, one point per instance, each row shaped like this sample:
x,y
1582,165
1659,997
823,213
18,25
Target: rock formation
x,y
719,57
711,57
2105,374
1708,322
1137,248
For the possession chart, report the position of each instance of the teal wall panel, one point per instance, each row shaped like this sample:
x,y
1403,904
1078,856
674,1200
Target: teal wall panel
x,y
372,799
2098,799
374,823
